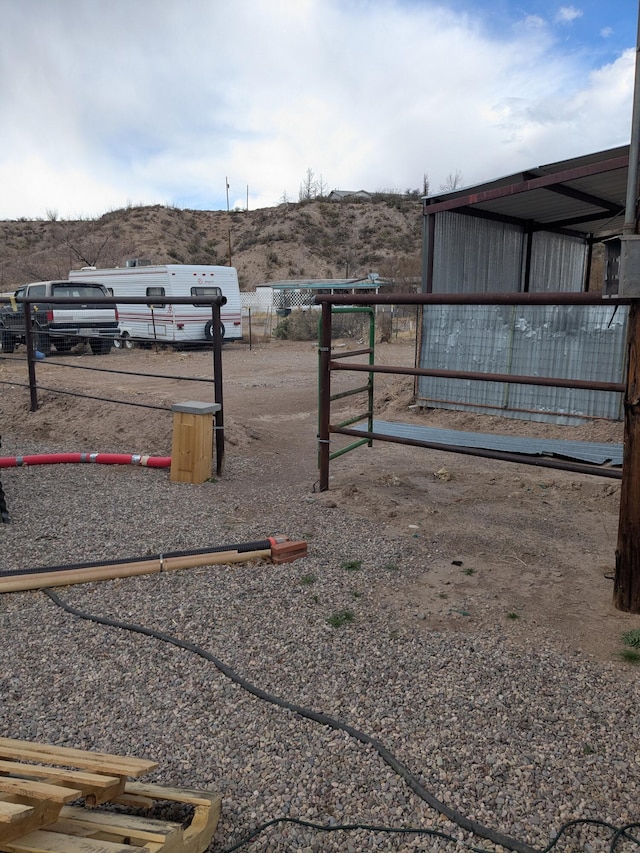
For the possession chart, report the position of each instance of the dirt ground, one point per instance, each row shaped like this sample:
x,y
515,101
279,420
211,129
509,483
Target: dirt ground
x,y
527,547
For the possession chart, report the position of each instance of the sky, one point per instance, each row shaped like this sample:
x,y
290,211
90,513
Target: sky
x,y
105,105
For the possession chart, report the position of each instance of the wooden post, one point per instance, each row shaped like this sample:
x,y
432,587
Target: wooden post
x,y
626,591
192,446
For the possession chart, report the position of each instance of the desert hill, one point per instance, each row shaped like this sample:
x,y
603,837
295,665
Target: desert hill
x,y
310,239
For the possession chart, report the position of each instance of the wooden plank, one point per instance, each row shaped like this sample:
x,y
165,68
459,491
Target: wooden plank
x,y
118,827
96,787
20,582
80,778
38,790
192,796
11,812
198,835
42,841
119,765
77,830
133,801
43,813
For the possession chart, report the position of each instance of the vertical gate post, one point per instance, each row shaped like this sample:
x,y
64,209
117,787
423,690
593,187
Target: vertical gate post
x,y
29,340
217,386
626,591
324,395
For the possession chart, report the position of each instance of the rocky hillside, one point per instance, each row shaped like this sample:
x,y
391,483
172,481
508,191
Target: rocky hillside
x,y
315,239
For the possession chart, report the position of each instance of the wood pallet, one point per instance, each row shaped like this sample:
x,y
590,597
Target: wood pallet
x,y
38,782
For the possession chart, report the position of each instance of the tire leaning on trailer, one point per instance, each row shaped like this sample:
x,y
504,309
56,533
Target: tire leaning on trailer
x,y
208,331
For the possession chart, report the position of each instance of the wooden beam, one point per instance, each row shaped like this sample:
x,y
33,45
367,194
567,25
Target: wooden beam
x,y
118,765
626,590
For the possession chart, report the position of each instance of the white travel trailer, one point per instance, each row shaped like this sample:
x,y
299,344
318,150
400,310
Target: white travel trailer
x,y
171,324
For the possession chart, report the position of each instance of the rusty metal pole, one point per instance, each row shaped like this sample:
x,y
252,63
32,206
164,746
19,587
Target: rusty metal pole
x,y
324,396
626,590
631,203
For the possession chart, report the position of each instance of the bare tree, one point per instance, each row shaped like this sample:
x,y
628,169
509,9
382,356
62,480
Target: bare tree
x,y
312,187
321,187
308,186
425,184
89,250
452,181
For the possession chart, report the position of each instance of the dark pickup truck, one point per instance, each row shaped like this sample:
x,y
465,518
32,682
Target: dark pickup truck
x,y
60,326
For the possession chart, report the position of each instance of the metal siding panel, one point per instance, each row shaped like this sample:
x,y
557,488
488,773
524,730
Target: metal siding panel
x,y
557,263
597,453
572,342
476,255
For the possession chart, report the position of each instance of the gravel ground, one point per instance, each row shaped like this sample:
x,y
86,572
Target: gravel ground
x,y
521,737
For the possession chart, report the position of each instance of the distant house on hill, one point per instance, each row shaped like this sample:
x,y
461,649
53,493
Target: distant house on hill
x,y
346,195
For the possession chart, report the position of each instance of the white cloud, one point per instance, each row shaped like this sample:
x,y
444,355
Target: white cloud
x,y
534,22
567,14
105,104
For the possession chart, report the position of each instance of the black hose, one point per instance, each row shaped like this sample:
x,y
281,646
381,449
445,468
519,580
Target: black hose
x,y
617,832
348,827
464,822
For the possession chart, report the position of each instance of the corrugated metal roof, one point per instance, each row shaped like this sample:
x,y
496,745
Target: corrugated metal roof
x,y
582,451
584,194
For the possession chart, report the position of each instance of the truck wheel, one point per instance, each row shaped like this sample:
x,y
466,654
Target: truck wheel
x,y
127,341
63,344
43,343
101,346
7,342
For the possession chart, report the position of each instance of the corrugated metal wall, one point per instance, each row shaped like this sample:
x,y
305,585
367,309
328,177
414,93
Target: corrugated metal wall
x,y
587,342
557,263
475,255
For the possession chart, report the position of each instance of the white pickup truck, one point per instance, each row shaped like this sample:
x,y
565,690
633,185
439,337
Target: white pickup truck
x,y
60,326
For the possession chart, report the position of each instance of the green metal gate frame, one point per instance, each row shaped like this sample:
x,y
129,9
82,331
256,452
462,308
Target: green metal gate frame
x,y
324,356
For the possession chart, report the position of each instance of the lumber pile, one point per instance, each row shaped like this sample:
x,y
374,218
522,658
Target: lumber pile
x,y
49,797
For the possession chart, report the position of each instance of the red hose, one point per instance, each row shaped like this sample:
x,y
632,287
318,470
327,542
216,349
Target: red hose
x,y
99,458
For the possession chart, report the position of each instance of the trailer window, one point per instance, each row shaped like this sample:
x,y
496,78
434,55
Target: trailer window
x,y
152,294
205,291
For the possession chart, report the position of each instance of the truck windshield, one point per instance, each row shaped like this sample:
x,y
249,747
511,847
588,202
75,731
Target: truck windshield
x,y
79,291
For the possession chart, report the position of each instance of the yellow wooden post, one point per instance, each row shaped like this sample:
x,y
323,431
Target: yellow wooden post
x,y
192,446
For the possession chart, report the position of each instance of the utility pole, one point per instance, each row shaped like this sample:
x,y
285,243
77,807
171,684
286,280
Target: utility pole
x,y
626,591
226,180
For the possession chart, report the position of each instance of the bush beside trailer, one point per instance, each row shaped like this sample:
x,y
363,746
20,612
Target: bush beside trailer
x,y
172,324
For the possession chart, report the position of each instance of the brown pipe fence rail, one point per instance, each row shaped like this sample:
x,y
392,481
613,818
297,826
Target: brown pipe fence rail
x,y
627,578
329,364
215,302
